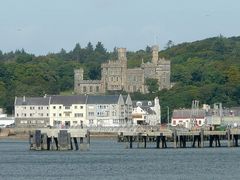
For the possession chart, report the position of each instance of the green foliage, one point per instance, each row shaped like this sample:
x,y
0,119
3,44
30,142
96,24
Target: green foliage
x,y
152,85
206,70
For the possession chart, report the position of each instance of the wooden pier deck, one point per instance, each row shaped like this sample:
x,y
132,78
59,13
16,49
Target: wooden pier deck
x,y
180,138
59,139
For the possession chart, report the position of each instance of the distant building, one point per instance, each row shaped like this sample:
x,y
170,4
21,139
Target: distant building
x,y
223,116
115,75
187,118
146,112
5,120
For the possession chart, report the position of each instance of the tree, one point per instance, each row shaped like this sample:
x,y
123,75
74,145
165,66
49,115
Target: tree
x,y
89,48
100,48
76,52
148,49
152,85
169,44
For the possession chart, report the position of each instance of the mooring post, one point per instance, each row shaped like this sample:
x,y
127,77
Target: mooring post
x,y
202,138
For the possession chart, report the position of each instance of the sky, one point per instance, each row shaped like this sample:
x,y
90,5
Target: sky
x,y
44,26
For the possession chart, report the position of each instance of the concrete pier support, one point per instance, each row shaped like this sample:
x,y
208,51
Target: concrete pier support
x,y
64,140
44,145
38,140
58,139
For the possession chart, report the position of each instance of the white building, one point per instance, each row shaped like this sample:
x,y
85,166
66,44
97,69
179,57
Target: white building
x,y
5,120
31,111
187,118
147,112
108,110
66,111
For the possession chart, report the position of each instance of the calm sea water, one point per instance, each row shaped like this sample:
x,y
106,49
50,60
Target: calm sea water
x,y
108,159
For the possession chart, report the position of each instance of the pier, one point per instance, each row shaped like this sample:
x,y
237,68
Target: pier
x,y
180,138
59,139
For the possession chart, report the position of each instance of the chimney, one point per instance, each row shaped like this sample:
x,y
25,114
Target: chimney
x,y
122,54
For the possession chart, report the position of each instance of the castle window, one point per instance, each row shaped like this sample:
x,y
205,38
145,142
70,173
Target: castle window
x,y
90,88
111,78
117,78
97,88
84,89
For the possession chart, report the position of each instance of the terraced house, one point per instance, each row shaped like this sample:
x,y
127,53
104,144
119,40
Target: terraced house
x,y
73,111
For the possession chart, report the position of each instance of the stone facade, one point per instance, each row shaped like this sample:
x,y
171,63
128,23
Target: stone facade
x,y
117,77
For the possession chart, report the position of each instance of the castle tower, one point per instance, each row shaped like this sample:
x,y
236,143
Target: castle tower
x,y
155,50
78,74
122,54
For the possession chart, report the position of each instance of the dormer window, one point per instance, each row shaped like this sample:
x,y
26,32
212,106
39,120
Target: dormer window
x,y
139,103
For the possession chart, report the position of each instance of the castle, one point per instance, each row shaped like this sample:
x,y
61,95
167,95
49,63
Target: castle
x,y
115,76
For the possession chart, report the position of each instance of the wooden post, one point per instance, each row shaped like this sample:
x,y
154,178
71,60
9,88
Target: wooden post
x,y
236,140
145,141
194,139
130,142
76,143
175,138
202,138
211,141
161,140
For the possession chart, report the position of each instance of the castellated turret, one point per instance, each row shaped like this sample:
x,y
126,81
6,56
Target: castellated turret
x,y
155,50
122,54
78,74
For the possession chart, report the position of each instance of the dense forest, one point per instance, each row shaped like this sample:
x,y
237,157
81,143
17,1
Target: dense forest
x,y
206,70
